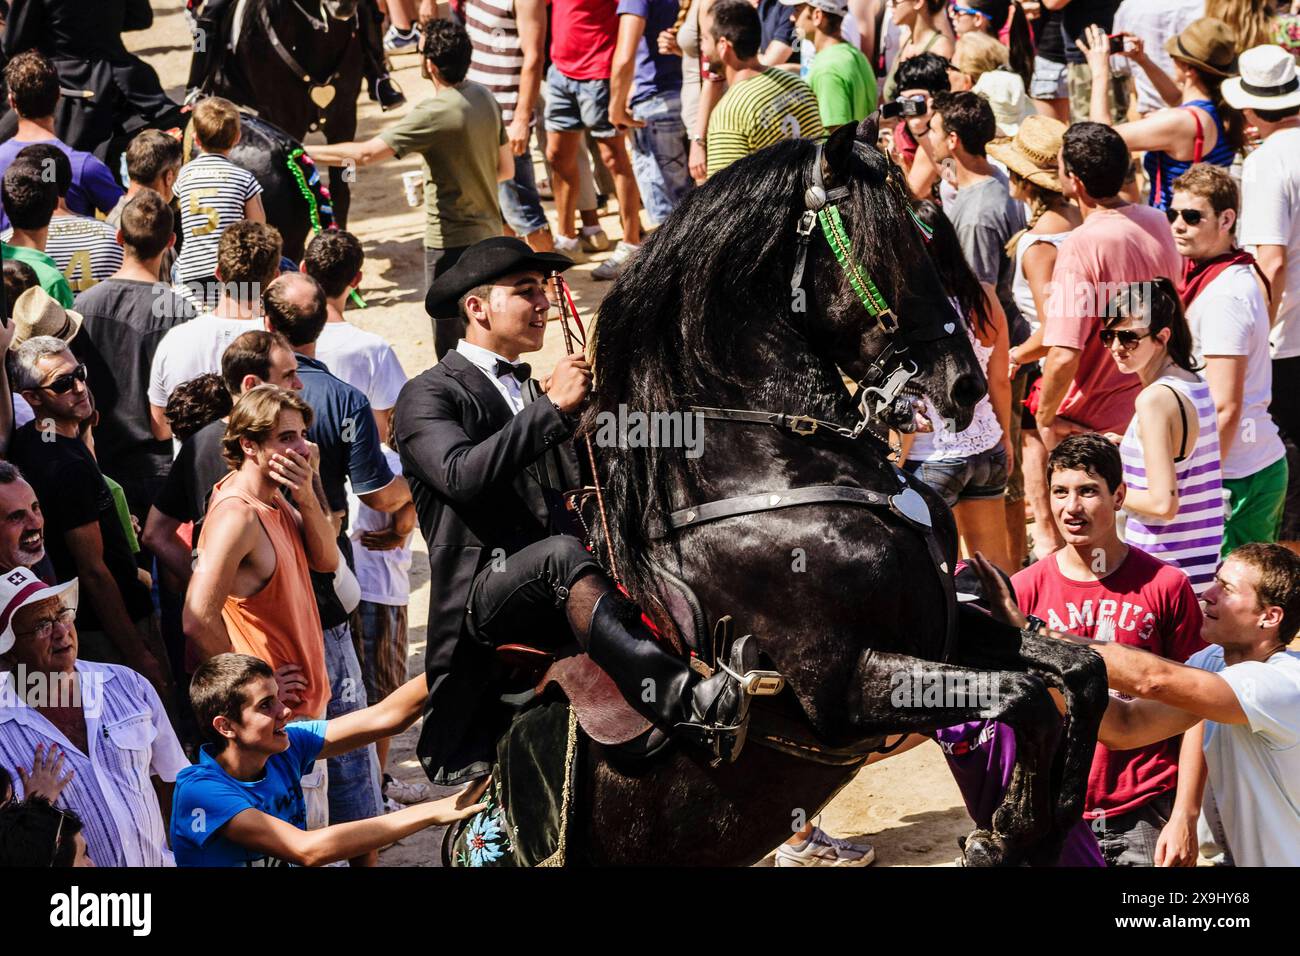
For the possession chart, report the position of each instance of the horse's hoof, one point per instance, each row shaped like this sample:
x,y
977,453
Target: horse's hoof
x,y
983,848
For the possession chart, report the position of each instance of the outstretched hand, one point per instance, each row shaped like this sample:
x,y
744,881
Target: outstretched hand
x,y
46,778
462,804
997,595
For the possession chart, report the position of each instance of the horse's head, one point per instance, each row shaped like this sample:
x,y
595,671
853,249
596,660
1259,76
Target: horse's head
x,y
879,302
340,9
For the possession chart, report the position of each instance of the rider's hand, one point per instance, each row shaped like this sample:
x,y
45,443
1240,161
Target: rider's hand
x,y
570,383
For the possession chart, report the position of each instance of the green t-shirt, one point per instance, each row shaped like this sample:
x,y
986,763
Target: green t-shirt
x,y
845,85
764,109
458,134
47,273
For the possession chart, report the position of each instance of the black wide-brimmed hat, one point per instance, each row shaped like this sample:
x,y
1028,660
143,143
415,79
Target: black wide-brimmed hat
x,y
482,263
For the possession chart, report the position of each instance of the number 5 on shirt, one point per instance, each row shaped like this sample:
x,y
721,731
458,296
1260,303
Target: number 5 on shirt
x,y
198,209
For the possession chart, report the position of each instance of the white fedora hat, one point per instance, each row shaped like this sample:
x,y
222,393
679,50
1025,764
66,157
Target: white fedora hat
x,y
1268,80
18,588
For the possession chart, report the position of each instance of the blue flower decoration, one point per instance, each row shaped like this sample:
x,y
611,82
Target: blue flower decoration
x,y
483,839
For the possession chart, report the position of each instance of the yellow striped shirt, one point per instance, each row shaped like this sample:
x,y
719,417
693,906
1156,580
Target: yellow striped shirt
x,y
765,109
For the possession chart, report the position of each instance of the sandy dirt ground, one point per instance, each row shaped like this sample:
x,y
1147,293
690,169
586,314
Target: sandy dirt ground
x,y
907,807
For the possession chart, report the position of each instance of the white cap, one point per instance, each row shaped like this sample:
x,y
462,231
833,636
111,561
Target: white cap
x,y
19,588
1268,80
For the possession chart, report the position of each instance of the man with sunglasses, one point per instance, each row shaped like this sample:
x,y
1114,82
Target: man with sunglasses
x,y
106,719
1224,295
84,535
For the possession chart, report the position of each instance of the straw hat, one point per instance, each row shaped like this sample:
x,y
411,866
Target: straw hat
x,y
1207,44
36,312
1268,81
1032,152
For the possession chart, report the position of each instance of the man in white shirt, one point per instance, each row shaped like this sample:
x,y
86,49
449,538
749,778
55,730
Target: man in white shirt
x,y
1268,92
1245,687
106,719
248,258
1153,22
1227,310
362,359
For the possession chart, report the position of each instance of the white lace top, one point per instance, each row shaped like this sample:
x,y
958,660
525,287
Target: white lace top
x,y
983,433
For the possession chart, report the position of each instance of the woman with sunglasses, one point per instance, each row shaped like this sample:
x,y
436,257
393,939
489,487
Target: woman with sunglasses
x,y
994,18
1171,448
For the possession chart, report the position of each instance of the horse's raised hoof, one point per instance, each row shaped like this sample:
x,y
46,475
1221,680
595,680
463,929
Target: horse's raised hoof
x,y
983,848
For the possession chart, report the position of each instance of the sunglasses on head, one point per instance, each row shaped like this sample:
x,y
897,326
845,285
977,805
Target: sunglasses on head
x,y
64,383
969,11
1190,216
1127,337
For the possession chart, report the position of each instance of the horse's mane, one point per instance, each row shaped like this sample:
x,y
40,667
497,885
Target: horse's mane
x,y
712,276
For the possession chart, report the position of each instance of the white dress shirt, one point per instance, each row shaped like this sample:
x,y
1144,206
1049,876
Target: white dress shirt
x,y
486,361
129,739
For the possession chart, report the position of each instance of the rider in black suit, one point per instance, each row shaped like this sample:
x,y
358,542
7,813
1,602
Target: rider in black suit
x,y
487,454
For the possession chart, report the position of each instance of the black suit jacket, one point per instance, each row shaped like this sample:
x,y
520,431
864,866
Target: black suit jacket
x,y
482,479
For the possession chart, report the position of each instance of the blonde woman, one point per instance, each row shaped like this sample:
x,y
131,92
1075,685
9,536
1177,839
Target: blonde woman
x,y
981,65
1030,159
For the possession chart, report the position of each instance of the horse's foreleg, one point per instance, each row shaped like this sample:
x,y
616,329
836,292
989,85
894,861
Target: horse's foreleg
x,y
896,694
1074,670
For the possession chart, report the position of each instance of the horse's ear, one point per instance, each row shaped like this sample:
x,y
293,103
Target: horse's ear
x,y
839,151
868,131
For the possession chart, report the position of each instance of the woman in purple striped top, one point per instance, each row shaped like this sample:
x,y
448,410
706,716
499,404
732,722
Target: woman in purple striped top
x,y
1171,448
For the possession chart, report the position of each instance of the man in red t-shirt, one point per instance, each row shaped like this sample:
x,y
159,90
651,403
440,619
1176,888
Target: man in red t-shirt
x,y
583,36
1099,587
1118,243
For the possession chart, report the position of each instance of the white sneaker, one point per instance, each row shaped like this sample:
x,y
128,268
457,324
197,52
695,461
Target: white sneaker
x,y
395,41
594,239
407,793
822,849
571,247
612,267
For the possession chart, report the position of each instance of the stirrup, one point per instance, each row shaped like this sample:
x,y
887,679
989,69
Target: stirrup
x,y
720,704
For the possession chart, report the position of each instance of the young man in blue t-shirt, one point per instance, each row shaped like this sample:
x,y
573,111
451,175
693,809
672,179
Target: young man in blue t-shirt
x,y
242,803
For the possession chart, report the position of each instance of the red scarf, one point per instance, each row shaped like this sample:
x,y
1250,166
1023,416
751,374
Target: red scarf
x,y
1197,275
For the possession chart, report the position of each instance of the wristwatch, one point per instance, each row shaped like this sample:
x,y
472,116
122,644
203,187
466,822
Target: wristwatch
x,y
698,139
1035,625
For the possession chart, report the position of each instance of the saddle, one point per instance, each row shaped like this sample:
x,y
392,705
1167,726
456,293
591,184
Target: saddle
x,y
602,712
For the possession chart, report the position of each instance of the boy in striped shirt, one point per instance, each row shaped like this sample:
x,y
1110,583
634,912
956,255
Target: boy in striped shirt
x,y
761,106
212,191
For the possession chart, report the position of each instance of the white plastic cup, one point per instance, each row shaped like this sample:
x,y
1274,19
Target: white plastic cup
x,y
413,186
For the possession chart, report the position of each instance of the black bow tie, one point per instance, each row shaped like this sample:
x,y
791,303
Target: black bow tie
x,y
523,371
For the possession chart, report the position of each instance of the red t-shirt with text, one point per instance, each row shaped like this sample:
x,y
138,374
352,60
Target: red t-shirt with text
x,y
1144,603
583,33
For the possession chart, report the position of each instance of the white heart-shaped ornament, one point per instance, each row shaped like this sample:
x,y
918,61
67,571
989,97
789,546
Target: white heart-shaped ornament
x,y
322,96
949,327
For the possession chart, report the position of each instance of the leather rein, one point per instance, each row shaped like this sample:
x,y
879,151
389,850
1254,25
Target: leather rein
x,y
322,99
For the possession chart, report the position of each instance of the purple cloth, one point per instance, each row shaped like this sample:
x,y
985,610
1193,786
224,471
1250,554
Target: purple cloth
x,y
93,186
981,755
656,72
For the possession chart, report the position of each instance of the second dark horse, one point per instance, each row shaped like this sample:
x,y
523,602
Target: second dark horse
x,y
847,600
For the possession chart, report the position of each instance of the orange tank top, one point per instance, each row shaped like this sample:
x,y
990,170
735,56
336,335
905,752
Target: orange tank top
x,y
280,623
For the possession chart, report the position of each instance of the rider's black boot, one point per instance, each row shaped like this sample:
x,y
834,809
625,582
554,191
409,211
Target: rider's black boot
x,y
207,57
713,712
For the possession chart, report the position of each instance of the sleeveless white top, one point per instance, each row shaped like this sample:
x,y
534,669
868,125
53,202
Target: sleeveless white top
x,y
1020,290
983,433
1191,539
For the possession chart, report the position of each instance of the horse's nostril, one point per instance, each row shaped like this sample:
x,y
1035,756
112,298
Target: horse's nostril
x,y
969,389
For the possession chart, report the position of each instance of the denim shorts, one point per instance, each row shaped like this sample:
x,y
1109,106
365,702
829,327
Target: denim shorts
x,y
575,105
521,205
353,778
1050,80
965,479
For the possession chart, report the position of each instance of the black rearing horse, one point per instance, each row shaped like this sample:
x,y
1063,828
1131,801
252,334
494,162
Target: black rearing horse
x,y
297,63
845,590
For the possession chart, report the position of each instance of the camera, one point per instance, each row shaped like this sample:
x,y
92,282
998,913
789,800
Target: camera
x,y
1116,42
907,107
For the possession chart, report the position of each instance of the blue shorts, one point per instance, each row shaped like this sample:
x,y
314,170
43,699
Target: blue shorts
x,y
660,155
353,779
575,105
965,479
521,205
1050,80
